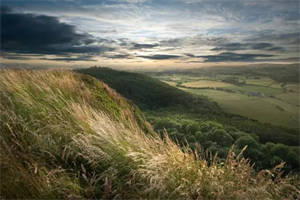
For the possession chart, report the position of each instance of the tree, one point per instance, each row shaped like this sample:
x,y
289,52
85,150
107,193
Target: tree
x,y
253,150
221,137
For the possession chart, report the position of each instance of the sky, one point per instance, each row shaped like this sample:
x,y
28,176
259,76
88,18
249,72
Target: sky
x,y
149,33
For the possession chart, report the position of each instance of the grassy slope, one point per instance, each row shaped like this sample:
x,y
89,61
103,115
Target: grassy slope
x,y
156,96
68,136
149,93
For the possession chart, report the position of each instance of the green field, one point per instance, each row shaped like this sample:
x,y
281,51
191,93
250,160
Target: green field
x,y
172,83
206,83
255,97
264,109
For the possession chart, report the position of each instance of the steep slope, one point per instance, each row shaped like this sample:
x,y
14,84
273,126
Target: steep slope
x,y
159,99
195,120
149,93
69,136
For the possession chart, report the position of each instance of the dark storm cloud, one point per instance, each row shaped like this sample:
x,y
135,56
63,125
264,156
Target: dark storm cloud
x,y
160,57
198,40
117,56
15,57
234,57
18,56
190,55
143,46
130,45
290,59
91,49
288,38
40,34
248,46
173,42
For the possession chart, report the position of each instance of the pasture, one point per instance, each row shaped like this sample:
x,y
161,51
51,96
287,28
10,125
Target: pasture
x,y
264,109
206,84
255,97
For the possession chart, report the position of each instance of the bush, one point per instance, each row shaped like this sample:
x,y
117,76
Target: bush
x,y
221,137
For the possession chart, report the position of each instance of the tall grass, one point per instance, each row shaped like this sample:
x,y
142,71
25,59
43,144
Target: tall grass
x,y
60,139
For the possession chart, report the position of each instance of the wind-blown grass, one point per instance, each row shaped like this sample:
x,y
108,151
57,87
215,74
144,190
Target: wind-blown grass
x,y
68,136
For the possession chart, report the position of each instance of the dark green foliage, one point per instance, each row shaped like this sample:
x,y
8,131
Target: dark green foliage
x,y
276,153
253,150
266,132
247,140
149,93
221,137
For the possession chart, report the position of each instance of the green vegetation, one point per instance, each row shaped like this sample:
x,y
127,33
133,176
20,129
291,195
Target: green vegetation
x,y
264,109
183,115
269,94
246,91
149,93
205,84
67,136
217,138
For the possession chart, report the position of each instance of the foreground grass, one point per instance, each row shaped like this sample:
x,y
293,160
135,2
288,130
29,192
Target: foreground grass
x,y
68,136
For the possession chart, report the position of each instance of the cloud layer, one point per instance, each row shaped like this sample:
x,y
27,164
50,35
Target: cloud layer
x,y
181,31
40,34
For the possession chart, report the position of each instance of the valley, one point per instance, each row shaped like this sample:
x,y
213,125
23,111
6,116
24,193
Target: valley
x,y
176,105
255,96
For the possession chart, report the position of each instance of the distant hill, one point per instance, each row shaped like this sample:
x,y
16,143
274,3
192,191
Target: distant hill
x,y
149,93
284,73
155,96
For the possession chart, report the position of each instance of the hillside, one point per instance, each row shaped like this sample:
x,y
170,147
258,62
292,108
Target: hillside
x,y
68,136
158,98
195,119
149,93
